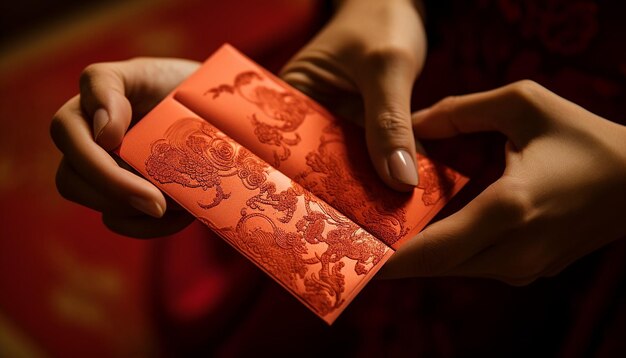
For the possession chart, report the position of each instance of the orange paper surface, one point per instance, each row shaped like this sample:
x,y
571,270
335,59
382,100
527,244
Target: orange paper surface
x,y
281,179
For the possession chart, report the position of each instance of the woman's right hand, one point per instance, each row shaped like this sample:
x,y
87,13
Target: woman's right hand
x,y
362,66
561,196
92,124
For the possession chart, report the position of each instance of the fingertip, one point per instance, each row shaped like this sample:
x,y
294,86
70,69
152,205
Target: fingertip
x,y
149,200
391,146
394,159
428,124
418,116
136,192
148,206
401,165
396,170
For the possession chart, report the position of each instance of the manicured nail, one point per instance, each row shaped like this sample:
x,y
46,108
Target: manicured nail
x,y
402,167
149,207
100,120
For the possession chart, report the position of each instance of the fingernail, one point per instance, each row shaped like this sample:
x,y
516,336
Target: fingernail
x,y
402,167
100,120
149,207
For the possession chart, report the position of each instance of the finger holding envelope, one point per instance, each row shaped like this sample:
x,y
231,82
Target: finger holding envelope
x,y
366,74
94,122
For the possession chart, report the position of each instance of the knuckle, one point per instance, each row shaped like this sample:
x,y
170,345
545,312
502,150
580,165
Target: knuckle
x,y
88,74
513,201
514,204
446,105
393,121
390,54
526,91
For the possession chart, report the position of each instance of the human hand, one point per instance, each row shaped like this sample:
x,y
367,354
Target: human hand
x,y
93,123
561,196
362,66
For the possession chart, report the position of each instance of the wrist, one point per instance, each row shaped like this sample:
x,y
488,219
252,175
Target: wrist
x,y
360,6
397,20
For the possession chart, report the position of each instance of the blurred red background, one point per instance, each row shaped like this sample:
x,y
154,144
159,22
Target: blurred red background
x,y
66,282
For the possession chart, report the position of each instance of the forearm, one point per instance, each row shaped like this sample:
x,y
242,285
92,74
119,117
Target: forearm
x,y
388,24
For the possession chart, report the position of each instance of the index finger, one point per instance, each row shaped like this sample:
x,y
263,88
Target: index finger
x,y
72,135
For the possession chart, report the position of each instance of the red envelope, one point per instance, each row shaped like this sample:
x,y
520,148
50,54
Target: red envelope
x,y
281,179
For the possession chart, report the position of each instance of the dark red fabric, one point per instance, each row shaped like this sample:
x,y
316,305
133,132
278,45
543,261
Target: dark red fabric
x,y
572,47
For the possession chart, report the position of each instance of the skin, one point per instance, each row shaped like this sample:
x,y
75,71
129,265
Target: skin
x,y
563,193
561,196
378,63
366,73
91,176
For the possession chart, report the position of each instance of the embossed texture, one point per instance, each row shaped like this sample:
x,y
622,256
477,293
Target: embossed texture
x,y
323,224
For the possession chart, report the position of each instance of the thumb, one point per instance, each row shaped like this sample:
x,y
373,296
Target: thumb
x,y
390,141
103,90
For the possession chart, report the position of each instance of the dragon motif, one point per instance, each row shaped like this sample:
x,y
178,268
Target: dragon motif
x,y
308,255
345,180
283,111
356,193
